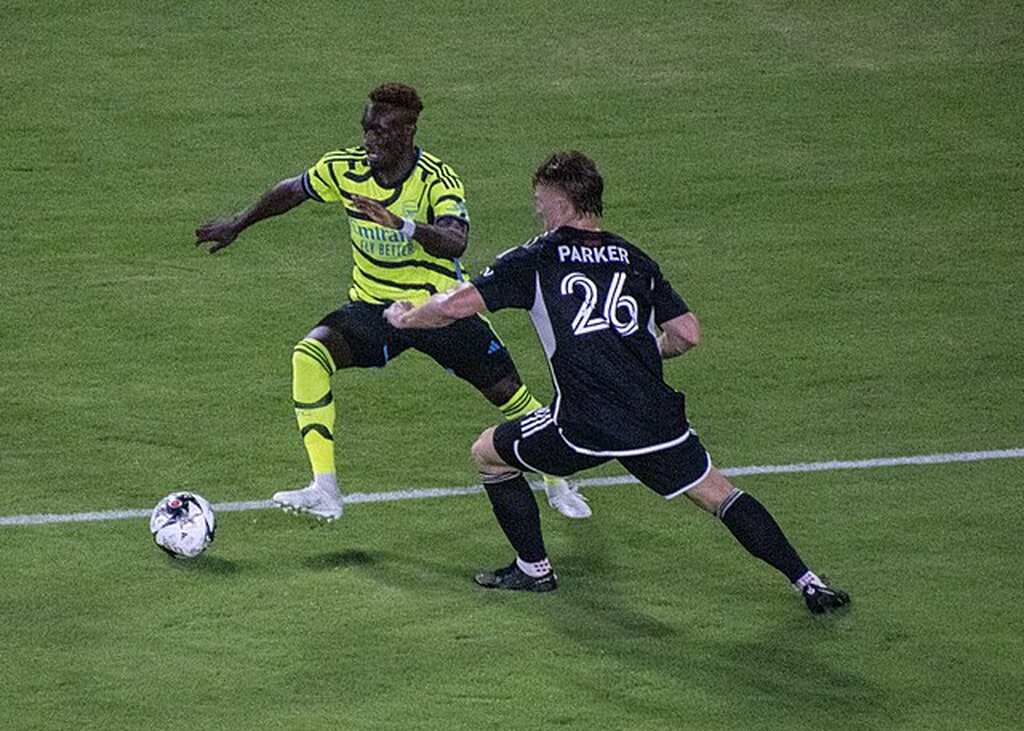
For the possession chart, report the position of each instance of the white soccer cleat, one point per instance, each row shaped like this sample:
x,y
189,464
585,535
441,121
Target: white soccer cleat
x,y
564,498
312,500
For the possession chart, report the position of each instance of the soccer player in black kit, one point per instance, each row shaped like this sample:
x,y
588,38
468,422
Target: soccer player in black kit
x,y
606,318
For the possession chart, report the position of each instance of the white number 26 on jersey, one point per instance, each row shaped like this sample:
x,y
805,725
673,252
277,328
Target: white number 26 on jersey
x,y
619,311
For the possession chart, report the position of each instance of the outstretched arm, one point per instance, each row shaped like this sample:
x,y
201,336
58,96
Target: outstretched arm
x,y
679,335
447,237
442,309
280,199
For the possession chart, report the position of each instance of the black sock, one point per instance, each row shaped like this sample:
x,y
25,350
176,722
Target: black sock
x,y
517,513
756,529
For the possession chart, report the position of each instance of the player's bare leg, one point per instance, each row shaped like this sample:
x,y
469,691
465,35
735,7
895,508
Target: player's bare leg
x,y
514,400
314,359
756,530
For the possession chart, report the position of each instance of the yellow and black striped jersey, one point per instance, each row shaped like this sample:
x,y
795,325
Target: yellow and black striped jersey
x,y
387,266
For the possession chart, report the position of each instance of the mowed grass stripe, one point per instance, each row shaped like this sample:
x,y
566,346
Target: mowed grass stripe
x,y
437,492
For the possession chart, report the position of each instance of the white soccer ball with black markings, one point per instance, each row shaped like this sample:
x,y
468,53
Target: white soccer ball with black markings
x,y
183,524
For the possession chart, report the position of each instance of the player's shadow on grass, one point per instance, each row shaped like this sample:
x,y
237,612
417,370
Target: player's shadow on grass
x,y
592,607
786,666
395,569
788,661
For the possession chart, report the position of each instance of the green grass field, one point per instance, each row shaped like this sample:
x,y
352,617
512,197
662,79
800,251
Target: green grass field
x,y
835,188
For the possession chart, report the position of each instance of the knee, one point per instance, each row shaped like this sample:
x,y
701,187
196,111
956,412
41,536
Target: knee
x,y
311,355
331,344
711,492
480,450
704,501
487,459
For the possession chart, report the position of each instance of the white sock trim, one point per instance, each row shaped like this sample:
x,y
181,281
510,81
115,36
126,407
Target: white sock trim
x,y
732,497
496,478
536,569
808,579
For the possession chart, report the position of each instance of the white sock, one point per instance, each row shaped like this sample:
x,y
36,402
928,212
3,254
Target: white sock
x,y
536,570
327,482
807,579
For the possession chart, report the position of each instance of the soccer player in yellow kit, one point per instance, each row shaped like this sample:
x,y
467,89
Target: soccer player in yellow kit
x,y
408,225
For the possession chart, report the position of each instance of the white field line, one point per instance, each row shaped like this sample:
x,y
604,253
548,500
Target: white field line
x,y
435,492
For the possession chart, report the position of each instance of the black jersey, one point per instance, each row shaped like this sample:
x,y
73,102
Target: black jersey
x,y
595,299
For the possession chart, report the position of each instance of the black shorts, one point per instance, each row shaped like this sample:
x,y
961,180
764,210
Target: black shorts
x,y
530,445
469,348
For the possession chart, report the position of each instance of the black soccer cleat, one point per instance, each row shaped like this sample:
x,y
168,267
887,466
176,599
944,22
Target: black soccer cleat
x,y
515,579
824,599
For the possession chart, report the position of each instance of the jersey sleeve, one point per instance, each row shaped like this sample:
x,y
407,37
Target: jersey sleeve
x,y
446,196
320,183
509,281
666,301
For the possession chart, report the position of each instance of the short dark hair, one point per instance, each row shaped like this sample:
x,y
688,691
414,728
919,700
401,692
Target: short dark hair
x,y
576,175
400,96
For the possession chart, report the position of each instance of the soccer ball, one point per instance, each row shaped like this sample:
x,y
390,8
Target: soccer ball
x,y
183,524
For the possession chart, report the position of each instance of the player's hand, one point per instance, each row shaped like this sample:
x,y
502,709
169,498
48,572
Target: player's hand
x,y
394,313
216,234
376,212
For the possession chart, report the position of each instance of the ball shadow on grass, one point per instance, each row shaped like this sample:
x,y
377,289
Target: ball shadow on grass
x,y
205,564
